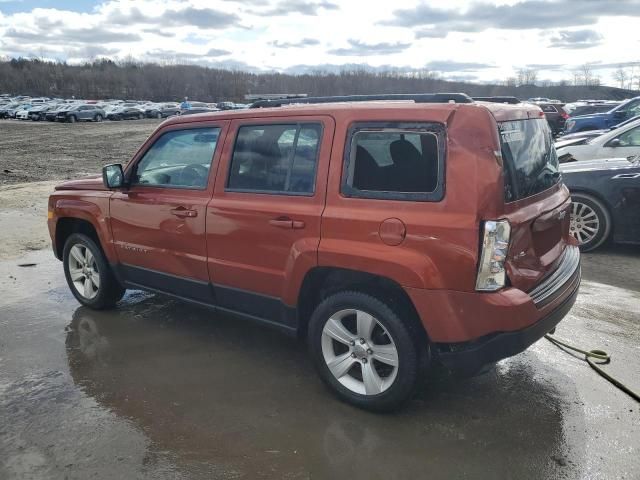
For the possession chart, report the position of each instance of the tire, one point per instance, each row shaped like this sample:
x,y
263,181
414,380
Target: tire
x,y
99,295
141,117
390,337
98,118
158,115
72,119
590,221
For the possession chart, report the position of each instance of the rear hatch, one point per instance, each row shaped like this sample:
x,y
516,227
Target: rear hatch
x,y
537,204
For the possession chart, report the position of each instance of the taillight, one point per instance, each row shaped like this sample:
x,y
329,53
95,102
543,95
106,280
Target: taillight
x,y
495,244
564,115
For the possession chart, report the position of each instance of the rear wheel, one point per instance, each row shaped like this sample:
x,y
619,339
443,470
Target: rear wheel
x,y
590,221
140,116
88,273
158,115
363,351
98,118
72,119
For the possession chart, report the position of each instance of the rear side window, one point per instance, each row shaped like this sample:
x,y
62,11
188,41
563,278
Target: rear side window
x,y
275,159
549,109
530,159
395,161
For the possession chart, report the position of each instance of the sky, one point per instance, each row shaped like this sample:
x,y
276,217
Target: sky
x,y
480,41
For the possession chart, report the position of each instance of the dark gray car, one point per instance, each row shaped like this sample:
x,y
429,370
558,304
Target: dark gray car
x,y
77,113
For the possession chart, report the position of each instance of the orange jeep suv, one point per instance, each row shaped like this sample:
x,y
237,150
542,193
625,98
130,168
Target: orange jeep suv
x,y
390,230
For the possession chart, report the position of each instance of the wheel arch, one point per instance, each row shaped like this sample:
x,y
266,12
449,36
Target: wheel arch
x,y
67,226
321,282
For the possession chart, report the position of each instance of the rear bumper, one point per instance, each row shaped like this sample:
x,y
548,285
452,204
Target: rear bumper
x,y
469,358
470,329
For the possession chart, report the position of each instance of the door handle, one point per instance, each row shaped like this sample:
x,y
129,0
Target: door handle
x,y
184,212
286,222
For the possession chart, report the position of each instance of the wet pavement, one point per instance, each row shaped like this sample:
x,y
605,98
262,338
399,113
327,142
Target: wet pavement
x,y
161,389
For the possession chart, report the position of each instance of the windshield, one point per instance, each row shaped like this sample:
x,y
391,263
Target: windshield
x,y
530,159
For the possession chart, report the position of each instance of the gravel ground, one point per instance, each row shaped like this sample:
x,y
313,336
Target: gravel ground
x,y
34,151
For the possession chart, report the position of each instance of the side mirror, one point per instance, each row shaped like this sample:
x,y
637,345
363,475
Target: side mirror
x,y
113,176
614,143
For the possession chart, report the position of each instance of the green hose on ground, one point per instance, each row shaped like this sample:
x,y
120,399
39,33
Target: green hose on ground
x,y
603,358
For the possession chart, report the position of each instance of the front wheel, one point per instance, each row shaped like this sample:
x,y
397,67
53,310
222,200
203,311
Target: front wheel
x,y
88,273
98,118
363,351
590,221
72,119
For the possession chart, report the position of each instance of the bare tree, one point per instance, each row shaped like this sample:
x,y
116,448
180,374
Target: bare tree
x,y
621,76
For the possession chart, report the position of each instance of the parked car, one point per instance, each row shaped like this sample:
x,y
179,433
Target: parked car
x,y
331,221
52,114
126,113
9,107
594,133
39,112
599,121
12,112
194,110
163,110
555,115
619,142
605,195
78,113
22,114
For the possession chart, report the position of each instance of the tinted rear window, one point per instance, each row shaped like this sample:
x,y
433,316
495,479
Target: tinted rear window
x,y
530,159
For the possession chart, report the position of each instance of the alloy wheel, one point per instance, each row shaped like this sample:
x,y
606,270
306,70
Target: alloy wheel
x,y
359,352
83,270
585,223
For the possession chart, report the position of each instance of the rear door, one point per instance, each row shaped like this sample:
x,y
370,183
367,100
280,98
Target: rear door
x,y
537,204
263,223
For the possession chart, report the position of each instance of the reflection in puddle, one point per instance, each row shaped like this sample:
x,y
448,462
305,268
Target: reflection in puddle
x,y
231,398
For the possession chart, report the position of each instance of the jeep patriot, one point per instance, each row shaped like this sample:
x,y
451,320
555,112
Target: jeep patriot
x,y
390,231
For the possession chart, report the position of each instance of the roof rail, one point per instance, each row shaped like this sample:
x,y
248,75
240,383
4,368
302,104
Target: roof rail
x,y
416,97
502,99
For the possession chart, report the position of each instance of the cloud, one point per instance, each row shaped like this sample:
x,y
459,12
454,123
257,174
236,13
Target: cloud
x,y
217,52
453,66
528,14
359,48
204,18
302,7
305,42
576,39
92,35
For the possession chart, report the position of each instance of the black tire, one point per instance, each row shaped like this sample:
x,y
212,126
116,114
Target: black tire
x,y
158,115
98,118
401,332
72,119
602,215
109,291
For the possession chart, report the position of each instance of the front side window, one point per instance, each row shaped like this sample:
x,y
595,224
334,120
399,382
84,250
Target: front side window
x,y
530,159
275,159
179,158
630,138
394,162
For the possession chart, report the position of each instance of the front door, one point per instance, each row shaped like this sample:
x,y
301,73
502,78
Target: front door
x,y
158,223
263,223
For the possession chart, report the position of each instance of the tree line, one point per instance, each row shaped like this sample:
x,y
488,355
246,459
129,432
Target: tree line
x,y
104,79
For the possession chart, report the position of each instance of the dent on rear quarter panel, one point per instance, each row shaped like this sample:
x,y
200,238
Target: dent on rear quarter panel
x,y
92,207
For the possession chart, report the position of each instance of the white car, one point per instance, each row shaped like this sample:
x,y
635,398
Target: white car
x,y
621,142
23,114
